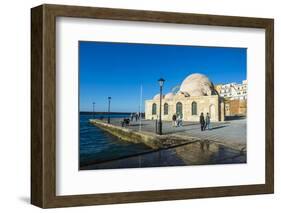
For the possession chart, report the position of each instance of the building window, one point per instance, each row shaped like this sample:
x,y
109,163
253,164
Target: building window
x,y
194,108
179,108
154,109
166,109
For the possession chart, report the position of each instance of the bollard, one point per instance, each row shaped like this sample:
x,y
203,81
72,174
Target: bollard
x,y
156,126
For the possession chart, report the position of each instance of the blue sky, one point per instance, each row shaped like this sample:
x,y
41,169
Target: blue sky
x,y
119,69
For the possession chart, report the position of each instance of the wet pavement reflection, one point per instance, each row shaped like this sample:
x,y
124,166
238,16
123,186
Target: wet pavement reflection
x,y
197,153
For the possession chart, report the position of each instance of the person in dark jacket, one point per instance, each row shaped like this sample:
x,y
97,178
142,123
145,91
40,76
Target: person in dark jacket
x,y
174,118
202,121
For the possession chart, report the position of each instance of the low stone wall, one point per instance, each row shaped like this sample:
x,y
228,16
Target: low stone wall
x,y
150,139
128,135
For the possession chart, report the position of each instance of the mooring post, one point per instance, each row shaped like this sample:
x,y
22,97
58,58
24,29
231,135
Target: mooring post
x,y
156,126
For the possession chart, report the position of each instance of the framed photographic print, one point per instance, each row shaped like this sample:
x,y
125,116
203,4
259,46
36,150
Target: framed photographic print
x,y
137,106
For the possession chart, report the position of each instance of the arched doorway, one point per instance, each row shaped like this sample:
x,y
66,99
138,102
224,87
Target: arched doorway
x,y
212,111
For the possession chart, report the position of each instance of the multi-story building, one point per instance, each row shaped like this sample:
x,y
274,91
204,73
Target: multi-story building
x,y
233,91
235,96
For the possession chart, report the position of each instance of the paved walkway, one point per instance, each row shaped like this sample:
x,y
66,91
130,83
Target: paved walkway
x,y
232,133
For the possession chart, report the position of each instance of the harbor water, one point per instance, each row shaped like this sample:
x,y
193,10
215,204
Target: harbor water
x,y
96,145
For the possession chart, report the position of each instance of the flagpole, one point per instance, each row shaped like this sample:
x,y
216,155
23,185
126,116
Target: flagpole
x,y
140,114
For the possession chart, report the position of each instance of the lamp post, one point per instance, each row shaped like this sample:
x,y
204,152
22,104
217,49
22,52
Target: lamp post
x,y
161,83
108,118
94,110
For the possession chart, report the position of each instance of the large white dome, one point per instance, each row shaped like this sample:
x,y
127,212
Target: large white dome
x,y
197,85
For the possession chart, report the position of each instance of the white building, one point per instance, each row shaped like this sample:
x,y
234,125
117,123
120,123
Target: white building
x,y
233,91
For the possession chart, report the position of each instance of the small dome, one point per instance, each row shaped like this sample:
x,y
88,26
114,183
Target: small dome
x,y
157,97
180,94
169,96
197,85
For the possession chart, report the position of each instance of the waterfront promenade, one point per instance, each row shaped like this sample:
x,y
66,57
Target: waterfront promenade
x,y
186,145
231,133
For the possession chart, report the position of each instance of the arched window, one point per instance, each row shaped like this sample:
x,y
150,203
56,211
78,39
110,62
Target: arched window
x,y
179,108
166,109
194,108
154,109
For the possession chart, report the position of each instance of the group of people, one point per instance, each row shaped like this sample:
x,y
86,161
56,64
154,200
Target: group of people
x,y
177,120
205,122
135,116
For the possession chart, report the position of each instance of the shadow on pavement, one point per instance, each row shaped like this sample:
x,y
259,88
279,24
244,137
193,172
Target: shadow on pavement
x,y
218,127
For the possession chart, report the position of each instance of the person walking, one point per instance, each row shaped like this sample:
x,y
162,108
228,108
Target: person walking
x,y
136,116
132,116
202,121
208,121
179,120
174,118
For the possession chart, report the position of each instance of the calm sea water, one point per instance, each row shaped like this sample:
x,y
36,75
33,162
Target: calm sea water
x,y
97,145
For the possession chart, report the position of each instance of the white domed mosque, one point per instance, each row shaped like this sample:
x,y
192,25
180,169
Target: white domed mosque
x,y
196,95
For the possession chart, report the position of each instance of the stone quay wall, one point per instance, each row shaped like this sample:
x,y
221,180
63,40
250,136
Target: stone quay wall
x,y
152,140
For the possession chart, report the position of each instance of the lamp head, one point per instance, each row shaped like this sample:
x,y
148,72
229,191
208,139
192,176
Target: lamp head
x,y
161,81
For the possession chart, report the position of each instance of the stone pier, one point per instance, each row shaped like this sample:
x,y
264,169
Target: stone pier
x,y
148,138
231,134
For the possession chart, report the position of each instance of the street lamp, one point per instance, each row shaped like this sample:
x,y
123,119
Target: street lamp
x,y
108,118
94,110
161,83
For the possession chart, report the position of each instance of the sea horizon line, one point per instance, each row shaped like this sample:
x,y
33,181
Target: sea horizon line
x,y
89,112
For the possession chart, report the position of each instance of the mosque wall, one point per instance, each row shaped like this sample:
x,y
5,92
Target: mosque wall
x,y
183,105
